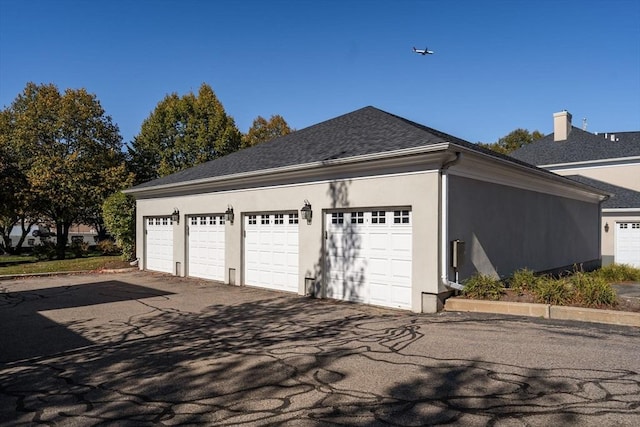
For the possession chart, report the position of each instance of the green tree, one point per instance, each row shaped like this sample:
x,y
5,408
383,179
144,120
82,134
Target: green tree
x,y
119,213
264,130
70,151
182,132
514,140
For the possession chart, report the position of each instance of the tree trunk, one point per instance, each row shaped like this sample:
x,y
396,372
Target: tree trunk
x,y
25,232
62,234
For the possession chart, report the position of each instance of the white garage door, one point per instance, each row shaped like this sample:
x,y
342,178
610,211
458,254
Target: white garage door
x,y
628,243
206,235
368,256
159,244
271,251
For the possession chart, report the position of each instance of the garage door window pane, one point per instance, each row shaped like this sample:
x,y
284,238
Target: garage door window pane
x,y
401,217
357,217
623,226
278,219
264,219
165,221
252,219
293,218
378,217
337,218
221,220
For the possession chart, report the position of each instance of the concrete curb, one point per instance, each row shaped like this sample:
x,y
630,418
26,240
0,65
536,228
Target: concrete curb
x,y
62,273
547,311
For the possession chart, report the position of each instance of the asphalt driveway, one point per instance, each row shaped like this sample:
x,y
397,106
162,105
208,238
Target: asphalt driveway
x,y
141,349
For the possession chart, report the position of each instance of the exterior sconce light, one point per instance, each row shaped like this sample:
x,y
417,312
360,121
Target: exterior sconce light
x,y
606,227
175,216
228,214
306,211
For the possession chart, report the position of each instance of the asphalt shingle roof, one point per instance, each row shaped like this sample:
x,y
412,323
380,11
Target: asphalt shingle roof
x,y
580,146
621,197
364,131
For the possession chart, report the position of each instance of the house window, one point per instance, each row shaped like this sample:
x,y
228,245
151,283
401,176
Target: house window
x,y
264,219
293,218
252,220
357,217
401,217
278,219
31,242
378,217
337,218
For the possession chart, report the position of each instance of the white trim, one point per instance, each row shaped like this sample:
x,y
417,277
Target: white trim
x,y
304,167
621,210
594,163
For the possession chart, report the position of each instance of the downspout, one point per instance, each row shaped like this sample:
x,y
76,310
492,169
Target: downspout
x,y
444,224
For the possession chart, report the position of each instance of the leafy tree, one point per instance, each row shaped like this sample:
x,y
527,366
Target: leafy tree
x,y
119,213
264,130
70,151
182,132
514,140
18,206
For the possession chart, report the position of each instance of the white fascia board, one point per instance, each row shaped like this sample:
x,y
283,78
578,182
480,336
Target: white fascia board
x,y
500,171
621,210
594,163
301,170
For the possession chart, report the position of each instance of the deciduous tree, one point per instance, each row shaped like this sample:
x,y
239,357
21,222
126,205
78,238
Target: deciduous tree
x,y
514,140
71,153
182,132
264,130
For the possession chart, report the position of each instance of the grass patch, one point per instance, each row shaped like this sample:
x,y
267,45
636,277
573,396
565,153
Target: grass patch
x,y
28,264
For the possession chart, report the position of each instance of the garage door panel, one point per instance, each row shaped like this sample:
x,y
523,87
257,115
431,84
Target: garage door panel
x,y
628,243
271,251
370,260
159,244
206,247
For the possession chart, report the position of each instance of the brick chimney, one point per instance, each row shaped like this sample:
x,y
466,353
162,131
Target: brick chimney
x,y
561,125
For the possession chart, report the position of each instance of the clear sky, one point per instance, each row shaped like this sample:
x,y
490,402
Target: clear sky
x,y
498,65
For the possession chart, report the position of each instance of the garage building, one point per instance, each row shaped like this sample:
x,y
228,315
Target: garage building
x,y
365,207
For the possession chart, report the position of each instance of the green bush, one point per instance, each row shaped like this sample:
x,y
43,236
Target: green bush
x,y
119,213
618,273
592,291
45,250
480,286
107,247
523,281
79,249
553,291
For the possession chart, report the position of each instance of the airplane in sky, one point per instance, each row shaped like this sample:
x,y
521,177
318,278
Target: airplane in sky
x,y
424,51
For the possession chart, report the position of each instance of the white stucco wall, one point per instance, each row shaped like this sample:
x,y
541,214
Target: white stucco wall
x,y
417,190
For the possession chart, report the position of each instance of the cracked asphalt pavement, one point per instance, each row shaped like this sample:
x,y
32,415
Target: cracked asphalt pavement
x,y
143,349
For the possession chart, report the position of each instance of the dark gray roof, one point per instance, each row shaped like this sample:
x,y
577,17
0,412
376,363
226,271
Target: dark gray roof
x,y
621,197
364,131
580,146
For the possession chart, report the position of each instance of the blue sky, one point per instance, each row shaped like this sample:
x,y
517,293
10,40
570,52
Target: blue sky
x,y
498,66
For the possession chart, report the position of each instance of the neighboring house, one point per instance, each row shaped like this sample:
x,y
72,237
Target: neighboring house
x,y
40,233
364,207
608,161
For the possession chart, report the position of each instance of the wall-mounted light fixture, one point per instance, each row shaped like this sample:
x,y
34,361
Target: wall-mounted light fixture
x,y
606,227
306,211
175,216
228,214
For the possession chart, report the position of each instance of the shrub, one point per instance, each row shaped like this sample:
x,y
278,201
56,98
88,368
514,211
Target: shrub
x,y
107,247
523,280
592,291
79,249
618,273
45,250
119,212
480,286
553,291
